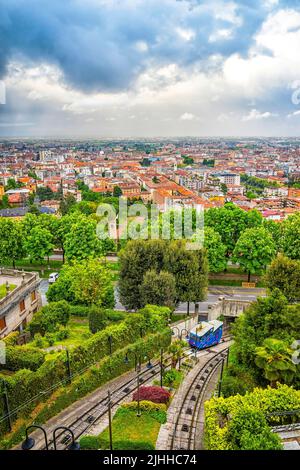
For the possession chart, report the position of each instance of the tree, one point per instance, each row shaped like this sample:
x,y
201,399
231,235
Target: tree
x,y
176,349
216,250
254,250
117,191
82,241
274,357
224,188
97,319
66,204
4,204
290,236
11,241
158,289
39,244
138,257
45,193
13,184
284,274
87,282
33,209
230,222
189,268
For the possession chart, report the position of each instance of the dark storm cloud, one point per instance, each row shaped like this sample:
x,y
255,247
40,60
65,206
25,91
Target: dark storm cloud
x,y
100,44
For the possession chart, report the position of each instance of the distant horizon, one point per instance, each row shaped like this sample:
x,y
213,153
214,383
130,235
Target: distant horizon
x,y
176,68
166,138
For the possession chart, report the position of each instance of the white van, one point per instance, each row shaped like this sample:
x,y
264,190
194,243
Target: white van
x,y
52,278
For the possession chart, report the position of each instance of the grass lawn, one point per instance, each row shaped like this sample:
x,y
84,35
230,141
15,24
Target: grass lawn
x,y
3,289
128,427
79,331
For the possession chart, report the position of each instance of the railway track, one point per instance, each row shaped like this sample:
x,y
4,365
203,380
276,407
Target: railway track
x,y
91,416
184,434
83,423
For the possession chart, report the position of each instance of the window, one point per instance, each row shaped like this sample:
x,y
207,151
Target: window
x,y
2,323
33,296
22,306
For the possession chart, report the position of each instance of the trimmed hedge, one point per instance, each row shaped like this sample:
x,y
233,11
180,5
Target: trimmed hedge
x,y
79,310
22,357
97,319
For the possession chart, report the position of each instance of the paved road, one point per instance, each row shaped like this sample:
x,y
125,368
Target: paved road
x,y
43,289
214,293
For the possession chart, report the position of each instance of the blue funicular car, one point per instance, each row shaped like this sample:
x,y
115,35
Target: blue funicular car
x,y
206,334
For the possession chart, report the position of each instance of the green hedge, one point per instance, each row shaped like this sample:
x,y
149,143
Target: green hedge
x,y
49,317
231,423
79,310
22,357
27,385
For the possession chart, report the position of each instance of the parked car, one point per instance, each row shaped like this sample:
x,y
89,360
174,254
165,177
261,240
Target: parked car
x,y
53,277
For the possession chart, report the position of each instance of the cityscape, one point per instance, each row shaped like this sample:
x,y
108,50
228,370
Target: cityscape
x,y
149,230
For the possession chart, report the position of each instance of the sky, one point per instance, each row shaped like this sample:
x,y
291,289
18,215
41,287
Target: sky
x,y
149,68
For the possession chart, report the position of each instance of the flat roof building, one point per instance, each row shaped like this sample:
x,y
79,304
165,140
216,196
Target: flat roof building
x,y
19,299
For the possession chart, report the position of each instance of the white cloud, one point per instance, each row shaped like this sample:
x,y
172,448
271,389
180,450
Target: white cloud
x,y
255,115
294,114
187,117
221,35
186,34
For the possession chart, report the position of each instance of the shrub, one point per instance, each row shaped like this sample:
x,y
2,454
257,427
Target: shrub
x,y
22,357
79,310
63,333
172,378
239,422
97,319
114,316
152,393
11,339
248,430
49,317
157,411
89,443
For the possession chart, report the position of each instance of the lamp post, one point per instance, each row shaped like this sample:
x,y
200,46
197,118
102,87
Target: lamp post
x,y
186,332
173,333
73,446
29,442
138,391
136,359
110,421
68,366
195,354
161,367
